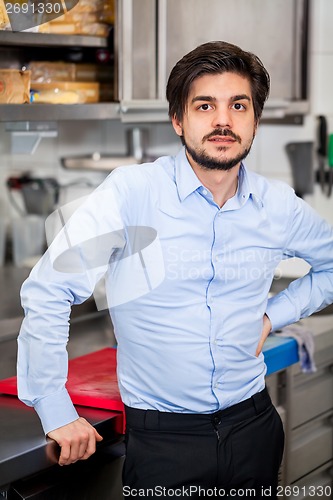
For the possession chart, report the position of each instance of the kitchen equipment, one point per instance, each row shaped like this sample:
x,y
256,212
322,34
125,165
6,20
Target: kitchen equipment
x,y
97,161
136,139
40,195
300,155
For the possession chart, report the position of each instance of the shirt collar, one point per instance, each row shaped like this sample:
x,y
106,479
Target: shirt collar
x,y
187,182
247,187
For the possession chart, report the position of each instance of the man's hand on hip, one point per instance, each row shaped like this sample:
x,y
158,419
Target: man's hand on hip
x,y
266,329
77,441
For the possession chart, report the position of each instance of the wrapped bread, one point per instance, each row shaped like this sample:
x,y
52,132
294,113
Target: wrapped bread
x,y
65,92
88,17
77,28
14,86
49,71
4,20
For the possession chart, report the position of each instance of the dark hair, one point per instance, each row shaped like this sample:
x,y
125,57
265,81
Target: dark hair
x,y
216,57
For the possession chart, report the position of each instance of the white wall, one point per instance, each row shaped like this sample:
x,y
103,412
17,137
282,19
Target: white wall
x,y
267,156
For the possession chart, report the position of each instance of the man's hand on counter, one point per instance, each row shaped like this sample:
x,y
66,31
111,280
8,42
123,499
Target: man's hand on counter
x,y
266,329
77,441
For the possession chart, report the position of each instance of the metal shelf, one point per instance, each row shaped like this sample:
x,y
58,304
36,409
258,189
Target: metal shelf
x,y
48,40
54,112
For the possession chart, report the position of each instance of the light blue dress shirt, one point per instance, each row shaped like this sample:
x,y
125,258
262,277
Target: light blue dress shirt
x,y
187,285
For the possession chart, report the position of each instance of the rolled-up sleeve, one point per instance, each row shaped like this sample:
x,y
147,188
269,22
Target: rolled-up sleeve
x,y
311,238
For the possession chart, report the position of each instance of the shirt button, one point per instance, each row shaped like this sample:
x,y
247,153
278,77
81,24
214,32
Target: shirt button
x,y
204,191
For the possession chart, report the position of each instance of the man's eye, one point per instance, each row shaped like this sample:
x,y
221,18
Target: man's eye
x,y
238,106
205,107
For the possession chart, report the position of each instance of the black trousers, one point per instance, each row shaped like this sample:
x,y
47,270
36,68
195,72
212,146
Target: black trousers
x,y
234,452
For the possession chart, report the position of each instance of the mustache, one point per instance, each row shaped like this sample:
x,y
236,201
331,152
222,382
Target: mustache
x,y
224,132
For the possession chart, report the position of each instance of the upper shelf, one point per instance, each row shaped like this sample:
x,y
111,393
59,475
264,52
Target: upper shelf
x,y
54,112
47,40
41,112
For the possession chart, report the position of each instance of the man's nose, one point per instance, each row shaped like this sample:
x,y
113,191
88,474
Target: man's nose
x,y
222,118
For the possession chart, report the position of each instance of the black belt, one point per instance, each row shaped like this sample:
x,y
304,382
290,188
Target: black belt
x,y
170,421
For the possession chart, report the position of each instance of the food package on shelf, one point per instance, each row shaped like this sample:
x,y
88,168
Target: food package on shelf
x,y
60,71
73,17
104,10
107,14
88,6
65,92
14,86
77,28
88,17
47,71
4,20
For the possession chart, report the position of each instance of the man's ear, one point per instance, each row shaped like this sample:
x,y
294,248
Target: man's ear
x,y
177,125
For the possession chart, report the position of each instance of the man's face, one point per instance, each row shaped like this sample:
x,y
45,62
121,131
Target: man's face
x,y
218,125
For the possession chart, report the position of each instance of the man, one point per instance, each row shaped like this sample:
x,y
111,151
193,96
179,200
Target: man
x,y
190,334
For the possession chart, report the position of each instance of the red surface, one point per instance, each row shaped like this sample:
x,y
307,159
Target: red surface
x,y
92,381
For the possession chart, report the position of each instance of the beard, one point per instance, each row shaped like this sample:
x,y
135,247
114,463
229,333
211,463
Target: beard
x,y
207,162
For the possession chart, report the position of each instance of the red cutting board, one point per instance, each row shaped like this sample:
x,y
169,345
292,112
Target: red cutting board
x,y
92,381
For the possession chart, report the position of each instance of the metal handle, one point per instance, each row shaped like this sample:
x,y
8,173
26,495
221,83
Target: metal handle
x,y
322,136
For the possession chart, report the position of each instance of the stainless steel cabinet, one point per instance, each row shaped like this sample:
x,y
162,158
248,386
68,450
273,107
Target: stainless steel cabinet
x,y
317,484
153,35
135,40
309,451
311,447
253,25
305,402
312,395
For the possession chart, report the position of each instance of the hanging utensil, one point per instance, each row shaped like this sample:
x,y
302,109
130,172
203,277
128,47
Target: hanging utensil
x,y
322,150
330,165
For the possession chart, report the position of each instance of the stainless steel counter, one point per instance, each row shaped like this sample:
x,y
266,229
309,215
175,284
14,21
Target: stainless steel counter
x,y
24,450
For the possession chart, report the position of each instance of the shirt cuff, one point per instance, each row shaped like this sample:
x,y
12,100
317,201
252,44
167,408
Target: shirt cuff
x,y
55,411
281,311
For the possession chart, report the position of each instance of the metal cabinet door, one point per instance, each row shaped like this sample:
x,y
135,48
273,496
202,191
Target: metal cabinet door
x,y
135,49
312,396
269,28
318,483
311,446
